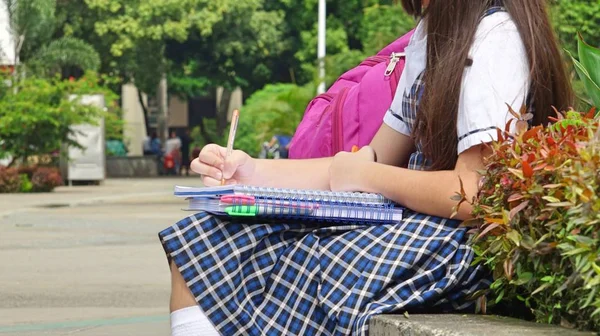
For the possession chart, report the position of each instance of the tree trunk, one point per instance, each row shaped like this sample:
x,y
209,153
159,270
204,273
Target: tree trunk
x,y
163,109
223,111
145,110
18,47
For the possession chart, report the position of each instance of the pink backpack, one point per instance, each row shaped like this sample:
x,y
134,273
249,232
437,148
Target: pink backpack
x,y
352,110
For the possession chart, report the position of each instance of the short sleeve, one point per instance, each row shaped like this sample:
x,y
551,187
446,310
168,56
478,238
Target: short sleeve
x,y
394,120
498,76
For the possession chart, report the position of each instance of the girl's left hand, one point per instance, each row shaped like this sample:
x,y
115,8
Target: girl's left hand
x,y
348,170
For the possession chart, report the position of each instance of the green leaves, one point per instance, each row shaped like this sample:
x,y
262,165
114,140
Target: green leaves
x,y
36,118
159,20
276,109
588,69
31,20
382,24
67,51
572,16
590,59
33,24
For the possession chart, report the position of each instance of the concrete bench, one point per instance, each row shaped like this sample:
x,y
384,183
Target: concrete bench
x,y
463,325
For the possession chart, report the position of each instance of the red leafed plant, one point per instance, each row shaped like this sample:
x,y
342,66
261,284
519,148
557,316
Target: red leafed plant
x,y
10,181
537,219
45,179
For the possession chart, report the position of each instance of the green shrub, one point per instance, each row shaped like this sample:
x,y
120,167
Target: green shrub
x,y
537,220
45,179
276,109
36,117
26,185
10,181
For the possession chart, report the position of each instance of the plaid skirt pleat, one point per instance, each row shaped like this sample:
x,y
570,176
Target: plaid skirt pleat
x,y
312,279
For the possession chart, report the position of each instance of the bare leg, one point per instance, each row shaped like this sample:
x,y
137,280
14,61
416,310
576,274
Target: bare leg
x,y
181,297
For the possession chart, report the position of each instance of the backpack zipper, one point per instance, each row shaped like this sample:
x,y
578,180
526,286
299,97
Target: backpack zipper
x,y
394,59
374,60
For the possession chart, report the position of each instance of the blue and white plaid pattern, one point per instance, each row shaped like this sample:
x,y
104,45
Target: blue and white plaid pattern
x,y
411,101
410,106
307,279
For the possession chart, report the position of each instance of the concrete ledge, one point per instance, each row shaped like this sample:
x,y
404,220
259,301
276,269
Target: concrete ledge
x,y
131,166
462,325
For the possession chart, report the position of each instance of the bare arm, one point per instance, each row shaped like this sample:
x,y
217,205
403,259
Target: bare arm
x,y
240,168
392,148
295,174
427,192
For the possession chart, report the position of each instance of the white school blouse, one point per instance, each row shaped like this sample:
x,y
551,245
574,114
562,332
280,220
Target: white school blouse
x,y
498,76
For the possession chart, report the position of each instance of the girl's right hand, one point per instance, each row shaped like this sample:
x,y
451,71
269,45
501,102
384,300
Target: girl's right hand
x,y
211,165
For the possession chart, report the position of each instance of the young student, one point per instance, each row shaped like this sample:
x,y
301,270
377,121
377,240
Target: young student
x,y
467,60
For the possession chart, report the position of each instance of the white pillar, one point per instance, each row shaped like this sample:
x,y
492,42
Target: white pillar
x,y
134,130
163,109
321,51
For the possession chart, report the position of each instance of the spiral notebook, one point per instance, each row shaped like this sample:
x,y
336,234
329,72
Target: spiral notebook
x,y
250,201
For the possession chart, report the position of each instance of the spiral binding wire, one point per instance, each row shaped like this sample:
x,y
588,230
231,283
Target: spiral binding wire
x,y
321,196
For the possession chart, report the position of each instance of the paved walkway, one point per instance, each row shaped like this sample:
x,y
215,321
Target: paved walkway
x,y
111,190
85,260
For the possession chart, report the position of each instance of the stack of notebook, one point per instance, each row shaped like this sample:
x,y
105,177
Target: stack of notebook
x,y
249,201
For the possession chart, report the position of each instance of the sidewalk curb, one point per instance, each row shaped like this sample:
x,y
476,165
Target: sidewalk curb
x,y
71,204
463,325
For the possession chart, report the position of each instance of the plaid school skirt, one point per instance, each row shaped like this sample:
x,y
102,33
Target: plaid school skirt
x,y
319,278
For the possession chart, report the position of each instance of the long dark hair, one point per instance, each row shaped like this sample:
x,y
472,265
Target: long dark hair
x,y
451,27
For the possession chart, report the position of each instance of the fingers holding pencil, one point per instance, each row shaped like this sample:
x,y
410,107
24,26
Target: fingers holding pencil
x,y
223,165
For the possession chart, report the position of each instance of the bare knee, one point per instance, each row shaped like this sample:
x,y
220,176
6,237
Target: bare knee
x,y
181,297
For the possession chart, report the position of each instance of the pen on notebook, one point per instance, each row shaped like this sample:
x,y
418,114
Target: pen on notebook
x,y
233,128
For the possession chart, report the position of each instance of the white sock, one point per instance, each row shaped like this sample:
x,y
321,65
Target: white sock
x,y
191,321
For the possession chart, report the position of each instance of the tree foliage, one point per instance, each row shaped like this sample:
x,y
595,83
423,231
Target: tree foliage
x,y
223,37
355,30
382,24
64,52
241,51
32,24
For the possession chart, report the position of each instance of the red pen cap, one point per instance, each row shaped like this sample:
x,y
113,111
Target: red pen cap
x,y
238,199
